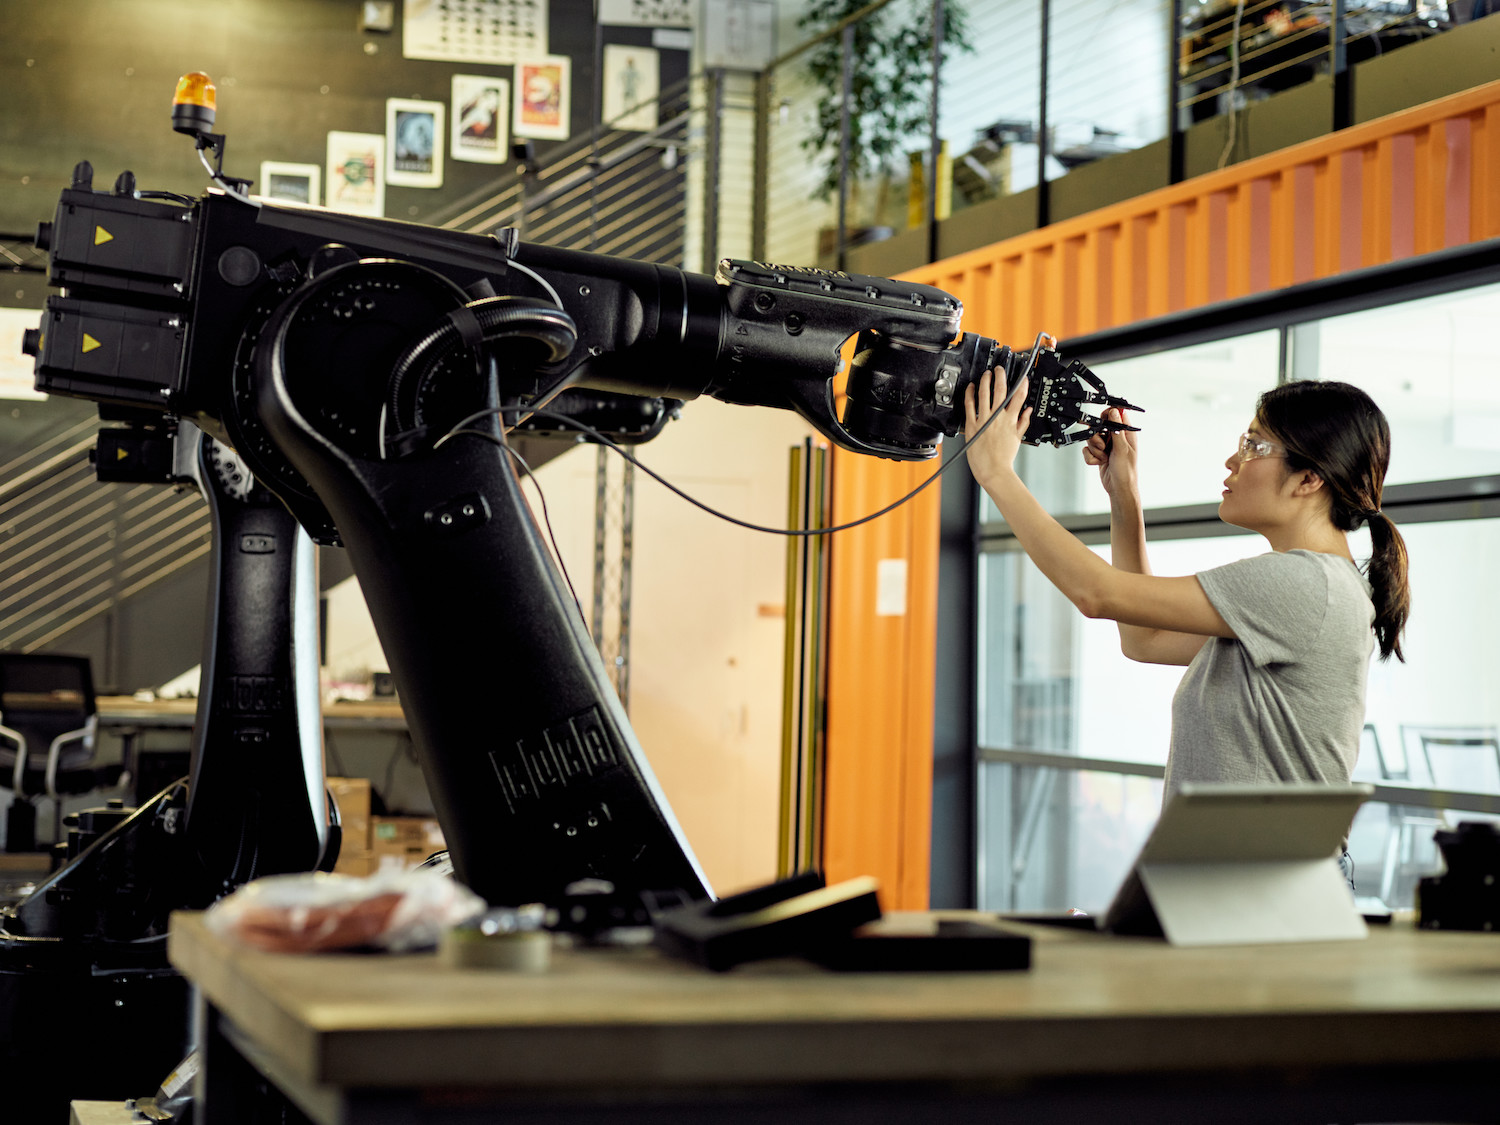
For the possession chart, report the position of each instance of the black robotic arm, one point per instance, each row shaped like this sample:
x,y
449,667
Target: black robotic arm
x,y
367,371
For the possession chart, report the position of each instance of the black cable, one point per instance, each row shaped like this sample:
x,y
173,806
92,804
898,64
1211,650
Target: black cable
x,y
595,435
172,195
546,519
484,321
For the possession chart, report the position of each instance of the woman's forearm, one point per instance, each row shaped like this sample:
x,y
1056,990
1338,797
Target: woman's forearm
x,y
1127,551
1127,535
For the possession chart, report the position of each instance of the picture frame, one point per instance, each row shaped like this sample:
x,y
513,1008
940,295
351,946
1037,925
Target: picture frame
x,y
355,181
632,84
291,183
480,116
542,101
414,141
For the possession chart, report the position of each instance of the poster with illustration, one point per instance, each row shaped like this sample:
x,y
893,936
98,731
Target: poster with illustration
x,y
481,119
542,102
290,183
631,85
414,143
355,169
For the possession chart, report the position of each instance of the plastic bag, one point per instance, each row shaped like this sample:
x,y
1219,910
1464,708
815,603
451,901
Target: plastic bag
x,y
396,911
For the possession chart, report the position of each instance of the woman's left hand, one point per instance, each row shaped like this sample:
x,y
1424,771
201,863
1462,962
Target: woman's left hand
x,y
995,450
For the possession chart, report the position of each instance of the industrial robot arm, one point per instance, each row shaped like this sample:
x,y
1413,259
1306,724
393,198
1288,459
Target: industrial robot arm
x,y
368,372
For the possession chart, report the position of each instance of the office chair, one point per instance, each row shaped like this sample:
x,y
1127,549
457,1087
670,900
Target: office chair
x,y
1466,759
1370,834
1411,850
47,738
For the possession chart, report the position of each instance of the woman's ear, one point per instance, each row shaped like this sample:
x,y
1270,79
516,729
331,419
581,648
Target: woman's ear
x,y
1308,482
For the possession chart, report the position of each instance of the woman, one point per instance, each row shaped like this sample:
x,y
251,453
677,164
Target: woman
x,y
1277,646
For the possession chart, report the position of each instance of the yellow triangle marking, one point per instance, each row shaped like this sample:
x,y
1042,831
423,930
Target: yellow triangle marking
x,y
89,343
120,455
101,236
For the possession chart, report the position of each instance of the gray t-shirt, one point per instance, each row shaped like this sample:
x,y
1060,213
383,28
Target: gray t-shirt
x,y
1285,699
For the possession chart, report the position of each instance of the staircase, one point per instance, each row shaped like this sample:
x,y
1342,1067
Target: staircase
x,y
88,567
71,549
611,191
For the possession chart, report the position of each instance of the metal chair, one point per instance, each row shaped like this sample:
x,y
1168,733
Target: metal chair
x,y
48,723
1466,759
1370,834
1410,848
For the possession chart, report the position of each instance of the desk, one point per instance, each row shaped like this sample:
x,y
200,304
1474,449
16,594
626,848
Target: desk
x,y
1285,46
124,712
1402,1026
131,720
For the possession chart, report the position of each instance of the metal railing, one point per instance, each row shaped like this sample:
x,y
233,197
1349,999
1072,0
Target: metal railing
x,y
612,191
778,165
1227,51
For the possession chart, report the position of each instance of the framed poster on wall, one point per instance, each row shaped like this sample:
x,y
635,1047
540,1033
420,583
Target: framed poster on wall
x,y
414,143
481,119
356,173
542,101
632,82
291,183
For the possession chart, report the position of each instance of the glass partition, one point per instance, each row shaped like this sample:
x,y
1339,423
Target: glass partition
x,y
1106,93
1054,686
1059,839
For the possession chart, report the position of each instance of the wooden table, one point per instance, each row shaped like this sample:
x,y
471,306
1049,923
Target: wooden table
x,y
157,762
124,712
1404,1025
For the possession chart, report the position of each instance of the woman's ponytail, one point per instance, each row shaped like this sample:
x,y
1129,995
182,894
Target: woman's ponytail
x,y
1392,593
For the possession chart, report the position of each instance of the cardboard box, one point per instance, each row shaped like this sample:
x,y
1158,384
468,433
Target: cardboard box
x,y
404,841
352,795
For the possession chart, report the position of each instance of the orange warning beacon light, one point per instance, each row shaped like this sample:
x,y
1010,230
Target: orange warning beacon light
x,y
194,104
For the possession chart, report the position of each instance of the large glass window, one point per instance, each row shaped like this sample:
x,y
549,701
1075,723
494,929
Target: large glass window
x,y
1431,364
1060,839
1196,402
1054,687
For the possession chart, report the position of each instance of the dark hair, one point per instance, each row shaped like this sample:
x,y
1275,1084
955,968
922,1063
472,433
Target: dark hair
x,y
1337,431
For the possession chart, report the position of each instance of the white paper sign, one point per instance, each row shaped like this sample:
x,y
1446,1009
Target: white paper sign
x,y
890,588
739,34
17,371
647,13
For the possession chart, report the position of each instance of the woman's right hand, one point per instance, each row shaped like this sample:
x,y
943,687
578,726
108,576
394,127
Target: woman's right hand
x,y
1115,456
